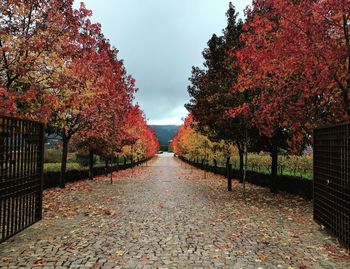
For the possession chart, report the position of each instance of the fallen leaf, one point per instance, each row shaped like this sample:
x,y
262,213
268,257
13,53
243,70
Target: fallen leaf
x,y
262,258
39,262
119,253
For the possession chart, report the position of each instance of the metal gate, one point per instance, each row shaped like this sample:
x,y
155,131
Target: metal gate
x,y
21,171
331,179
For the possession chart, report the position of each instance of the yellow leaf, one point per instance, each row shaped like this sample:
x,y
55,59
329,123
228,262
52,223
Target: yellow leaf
x,y
119,252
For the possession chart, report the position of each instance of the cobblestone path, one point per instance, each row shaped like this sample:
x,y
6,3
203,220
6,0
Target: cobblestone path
x,y
167,215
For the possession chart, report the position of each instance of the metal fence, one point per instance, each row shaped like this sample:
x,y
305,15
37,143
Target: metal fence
x,y
21,174
331,180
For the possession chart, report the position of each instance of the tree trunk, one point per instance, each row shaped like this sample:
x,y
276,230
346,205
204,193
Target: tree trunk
x,y
125,160
229,177
111,170
244,177
241,165
229,174
274,167
106,167
215,166
91,164
64,161
228,161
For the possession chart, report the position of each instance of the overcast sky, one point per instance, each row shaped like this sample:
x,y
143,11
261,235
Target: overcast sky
x,y
159,41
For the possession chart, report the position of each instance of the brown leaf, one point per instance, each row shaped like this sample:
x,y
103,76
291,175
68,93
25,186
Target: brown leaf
x,y
262,258
39,262
216,256
107,212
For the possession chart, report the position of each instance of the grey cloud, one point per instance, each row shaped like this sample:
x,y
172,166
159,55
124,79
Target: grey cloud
x,y
160,41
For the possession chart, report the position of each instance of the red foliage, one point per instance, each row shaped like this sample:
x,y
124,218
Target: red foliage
x,y
30,36
57,66
140,134
296,64
7,100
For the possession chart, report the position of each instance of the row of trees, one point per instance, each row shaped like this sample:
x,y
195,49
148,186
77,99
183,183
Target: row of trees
x,y
193,145
56,66
268,82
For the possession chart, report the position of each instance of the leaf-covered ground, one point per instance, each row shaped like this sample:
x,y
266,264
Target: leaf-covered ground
x,y
168,215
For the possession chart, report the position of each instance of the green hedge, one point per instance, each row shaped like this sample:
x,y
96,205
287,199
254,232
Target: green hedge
x,y
56,167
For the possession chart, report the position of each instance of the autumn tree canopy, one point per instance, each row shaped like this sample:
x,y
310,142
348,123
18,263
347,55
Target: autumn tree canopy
x,y
275,77
56,66
31,34
211,88
296,62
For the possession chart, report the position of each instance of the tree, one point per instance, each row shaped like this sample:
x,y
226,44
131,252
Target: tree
x,y
104,131
56,66
294,64
188,142
211,88
295,53
92,88
140,136
30,35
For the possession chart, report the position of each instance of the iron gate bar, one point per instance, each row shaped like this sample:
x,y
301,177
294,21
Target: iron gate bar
x,y
21,174
331,179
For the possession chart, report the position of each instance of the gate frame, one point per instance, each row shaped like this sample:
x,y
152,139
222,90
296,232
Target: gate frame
x,y
41,167
329,229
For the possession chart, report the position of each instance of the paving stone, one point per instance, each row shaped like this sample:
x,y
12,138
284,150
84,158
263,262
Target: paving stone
x,y
169,216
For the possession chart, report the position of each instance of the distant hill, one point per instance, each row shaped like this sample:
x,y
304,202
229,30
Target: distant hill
x,y
165,132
